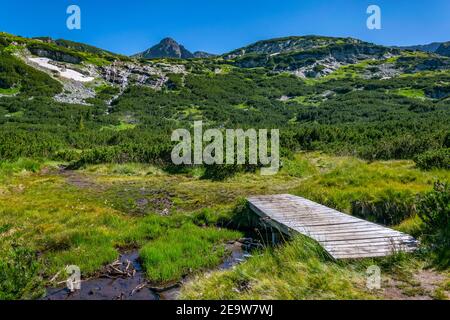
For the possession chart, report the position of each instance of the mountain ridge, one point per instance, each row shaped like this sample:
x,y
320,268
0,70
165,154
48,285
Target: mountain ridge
x,y
440,48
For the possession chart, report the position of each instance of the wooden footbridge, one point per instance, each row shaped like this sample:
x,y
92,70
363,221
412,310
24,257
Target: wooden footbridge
x,y
341,235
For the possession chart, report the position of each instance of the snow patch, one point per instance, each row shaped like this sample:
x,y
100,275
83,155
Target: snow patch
x,y
65,73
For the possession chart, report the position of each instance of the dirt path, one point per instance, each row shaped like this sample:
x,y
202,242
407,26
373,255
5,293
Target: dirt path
x,y
424,285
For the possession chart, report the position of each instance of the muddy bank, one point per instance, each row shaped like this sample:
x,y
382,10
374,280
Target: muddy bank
x,y
125,280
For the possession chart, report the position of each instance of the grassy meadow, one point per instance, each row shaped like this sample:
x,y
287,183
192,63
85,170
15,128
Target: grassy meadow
x,y
50,218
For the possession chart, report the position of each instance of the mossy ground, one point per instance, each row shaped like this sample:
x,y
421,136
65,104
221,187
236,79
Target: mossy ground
x,y
87,217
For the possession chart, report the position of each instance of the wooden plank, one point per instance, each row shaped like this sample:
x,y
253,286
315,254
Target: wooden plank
x,y
348,238
342,235
369,242
341,228
344,232
353,233
369,250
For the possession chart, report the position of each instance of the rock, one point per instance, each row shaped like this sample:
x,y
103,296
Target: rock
x,y
202,54
75,93
55,55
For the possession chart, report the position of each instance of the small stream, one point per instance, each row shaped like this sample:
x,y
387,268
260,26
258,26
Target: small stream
x,y
134,288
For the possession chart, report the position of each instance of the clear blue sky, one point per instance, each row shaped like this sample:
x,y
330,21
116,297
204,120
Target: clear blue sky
x,y
219,26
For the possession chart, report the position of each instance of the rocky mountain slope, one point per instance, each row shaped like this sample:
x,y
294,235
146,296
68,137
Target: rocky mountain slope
x,y
432,47
203,54
289,44
308,56
444,49
441,48
81,68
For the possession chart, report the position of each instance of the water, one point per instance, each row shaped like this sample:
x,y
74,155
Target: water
x,y
133,288
104,288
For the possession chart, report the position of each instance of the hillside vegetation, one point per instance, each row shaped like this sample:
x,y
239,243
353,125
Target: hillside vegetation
x,y
85,169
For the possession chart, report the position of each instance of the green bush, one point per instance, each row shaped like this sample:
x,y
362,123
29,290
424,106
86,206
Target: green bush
x,y
67,155
434,210
19,275
32,82
434,159
221,172
175,81
388,208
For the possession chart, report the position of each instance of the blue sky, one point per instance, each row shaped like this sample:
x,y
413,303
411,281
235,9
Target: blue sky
x,y
219,26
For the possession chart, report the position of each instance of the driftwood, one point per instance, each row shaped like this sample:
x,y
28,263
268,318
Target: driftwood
x,y
119,269
55,276
139,288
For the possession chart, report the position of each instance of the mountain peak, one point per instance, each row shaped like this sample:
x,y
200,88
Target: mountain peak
x,y
169,48
169,41
166,48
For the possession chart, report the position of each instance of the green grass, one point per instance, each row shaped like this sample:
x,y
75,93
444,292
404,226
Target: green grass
x,y
19,166
17,114
299,270
182,250
10,91
120,127
412,226
12,49
97,61
354,71
311,100
88,219
299,167
411,93
342,181
19,275
191,113
126,169
241,106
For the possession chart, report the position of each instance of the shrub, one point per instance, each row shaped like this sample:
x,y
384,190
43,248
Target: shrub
x,y
388,208
19,277
67,155
14,72
221,172
434,159
434,210
175,81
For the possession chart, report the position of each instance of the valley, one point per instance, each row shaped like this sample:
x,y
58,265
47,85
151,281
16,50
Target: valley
x,y
86,174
